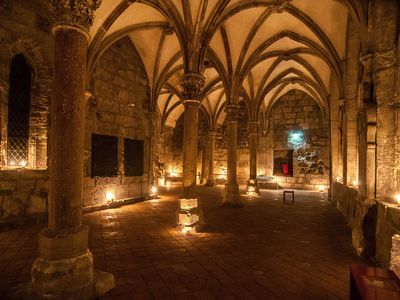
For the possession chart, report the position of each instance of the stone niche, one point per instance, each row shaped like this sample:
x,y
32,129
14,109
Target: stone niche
x,y
300,143
118,108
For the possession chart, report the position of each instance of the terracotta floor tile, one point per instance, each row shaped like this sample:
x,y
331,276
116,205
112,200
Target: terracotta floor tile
x,y
266,250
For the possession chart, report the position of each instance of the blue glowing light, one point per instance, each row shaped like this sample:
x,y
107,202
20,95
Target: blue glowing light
x,y
296,138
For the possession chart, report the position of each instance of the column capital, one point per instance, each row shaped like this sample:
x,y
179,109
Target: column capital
x,y
73,13
367,62
88,94
342,102
152,115
192,83
191,102
253,127
384,59
232,111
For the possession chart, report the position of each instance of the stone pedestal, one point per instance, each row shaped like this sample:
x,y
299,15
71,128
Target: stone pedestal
x,y
211,178
232,196
253,188
64,267
190,216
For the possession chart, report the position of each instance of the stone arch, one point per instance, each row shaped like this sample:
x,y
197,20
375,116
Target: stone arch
x,y
40,99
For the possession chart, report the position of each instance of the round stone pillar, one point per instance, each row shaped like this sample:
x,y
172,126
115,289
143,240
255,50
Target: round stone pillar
x,y
211,140
152,178
367,168
205,156
232,196
190,216
252,184
64,267
190,138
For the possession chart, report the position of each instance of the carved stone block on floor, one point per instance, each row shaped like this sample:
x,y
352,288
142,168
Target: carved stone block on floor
x,y
190,216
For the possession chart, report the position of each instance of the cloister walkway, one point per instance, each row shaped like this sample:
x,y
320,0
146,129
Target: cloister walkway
x,y
265,250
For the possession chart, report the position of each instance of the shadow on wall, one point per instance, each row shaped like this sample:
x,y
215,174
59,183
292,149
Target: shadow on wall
x,y
361,215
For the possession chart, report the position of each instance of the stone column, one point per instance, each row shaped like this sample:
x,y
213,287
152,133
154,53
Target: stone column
x,y
190,214
367,173
64,267
232,195
252,184
386,24
343,138
205,157
334,130
190,137
211,140
351,93
152,178
370,177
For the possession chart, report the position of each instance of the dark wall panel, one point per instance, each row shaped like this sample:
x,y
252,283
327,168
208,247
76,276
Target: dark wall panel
x,y
104,155
134,157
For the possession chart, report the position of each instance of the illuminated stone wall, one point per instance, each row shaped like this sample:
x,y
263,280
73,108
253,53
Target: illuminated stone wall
x,y
297,124
118,107
170,146
170,149
25,29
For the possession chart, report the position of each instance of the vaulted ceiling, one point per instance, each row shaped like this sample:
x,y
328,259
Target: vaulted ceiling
x,y
255,50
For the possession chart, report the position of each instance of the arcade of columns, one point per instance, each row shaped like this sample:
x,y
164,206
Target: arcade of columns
x,y
64,266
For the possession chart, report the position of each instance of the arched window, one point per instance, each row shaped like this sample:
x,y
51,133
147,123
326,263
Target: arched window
x,y
19,98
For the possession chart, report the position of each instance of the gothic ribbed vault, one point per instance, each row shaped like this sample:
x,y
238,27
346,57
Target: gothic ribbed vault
x,y
252,50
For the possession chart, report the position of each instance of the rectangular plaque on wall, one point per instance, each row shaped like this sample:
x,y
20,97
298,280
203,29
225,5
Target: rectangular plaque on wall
x,y
104,155
134,157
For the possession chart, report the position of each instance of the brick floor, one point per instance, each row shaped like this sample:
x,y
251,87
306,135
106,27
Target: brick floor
x,y
266,250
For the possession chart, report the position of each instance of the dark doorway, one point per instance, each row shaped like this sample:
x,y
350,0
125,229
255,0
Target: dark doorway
x,y
283,163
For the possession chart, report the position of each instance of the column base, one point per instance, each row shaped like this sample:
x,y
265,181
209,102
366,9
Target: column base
x,y
252,188
102,283
210,182
232,196
64,269
190,217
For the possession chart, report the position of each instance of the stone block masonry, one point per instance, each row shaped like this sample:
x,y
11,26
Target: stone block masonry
x,y
118,107
297,113
25,29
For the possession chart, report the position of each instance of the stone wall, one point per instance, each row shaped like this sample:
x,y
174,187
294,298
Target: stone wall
x,y
170,154
387,225
23,193
243,154
170,146
373,224
360,215
25,29
297,124
118,107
